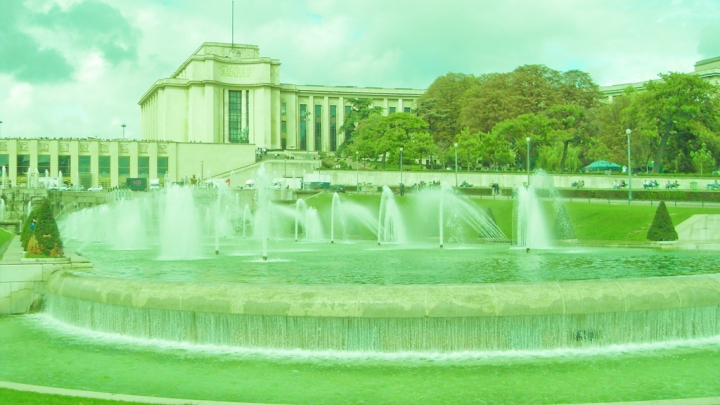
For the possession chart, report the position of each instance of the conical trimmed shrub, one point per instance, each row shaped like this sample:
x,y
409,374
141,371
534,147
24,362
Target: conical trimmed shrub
x,y
562,227
662,228
47,233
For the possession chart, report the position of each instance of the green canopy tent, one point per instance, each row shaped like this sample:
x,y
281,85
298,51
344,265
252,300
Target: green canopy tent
x,y
602,165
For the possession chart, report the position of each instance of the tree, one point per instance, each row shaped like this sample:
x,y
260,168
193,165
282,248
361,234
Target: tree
x,y
385,135
469,147
440,106
683,108
529,89
702,159
360,109
516,130
565,122
662,228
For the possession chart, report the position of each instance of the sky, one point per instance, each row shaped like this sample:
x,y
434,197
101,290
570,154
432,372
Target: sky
x,y
77,68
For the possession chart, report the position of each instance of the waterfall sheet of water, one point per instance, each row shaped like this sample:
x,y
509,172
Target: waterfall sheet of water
x,y
380,334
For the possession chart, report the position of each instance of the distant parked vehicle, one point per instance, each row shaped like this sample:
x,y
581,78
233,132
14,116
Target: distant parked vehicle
x,y
337,188
78,187
98,188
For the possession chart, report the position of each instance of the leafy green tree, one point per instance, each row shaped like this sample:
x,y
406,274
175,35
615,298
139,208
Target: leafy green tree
x,y
441,104
470,148
516,130
702,159
360,109
683,108
384,135
662,228
496,151
565,122
529,89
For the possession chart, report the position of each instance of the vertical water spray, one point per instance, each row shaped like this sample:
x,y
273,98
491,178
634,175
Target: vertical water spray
x,y
4,176
390,224
262,220
246,217
532,231
300,211
443,187
335,204
180,226
217,224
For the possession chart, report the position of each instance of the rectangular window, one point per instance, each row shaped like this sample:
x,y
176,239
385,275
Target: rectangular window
x,y
44,164
104,167
247,116
237,132
23,164
303,126
5,161
347,112
64,165
162,166
83,164
123,167
143,167
283,108
283,127
406,109
318,127
333,128
392,110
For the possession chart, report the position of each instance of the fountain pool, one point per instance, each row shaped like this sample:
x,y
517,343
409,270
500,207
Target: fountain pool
x,y
354,321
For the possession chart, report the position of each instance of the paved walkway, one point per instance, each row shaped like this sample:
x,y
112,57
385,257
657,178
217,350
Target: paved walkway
x,y
176,401
112,397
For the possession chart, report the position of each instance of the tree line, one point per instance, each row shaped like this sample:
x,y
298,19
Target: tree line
x,y
674,122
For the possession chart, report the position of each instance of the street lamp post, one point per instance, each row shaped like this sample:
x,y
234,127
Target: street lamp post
x,y
123,129
357,171
628,132
456,165
401,157
528,160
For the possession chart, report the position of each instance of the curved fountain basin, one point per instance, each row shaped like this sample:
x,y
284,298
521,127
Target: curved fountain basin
x,y
497,316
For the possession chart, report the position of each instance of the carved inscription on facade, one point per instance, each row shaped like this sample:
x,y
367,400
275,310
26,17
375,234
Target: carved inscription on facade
x,y
23,146
143,148
242,72
162,149
124,148
3,145
104,147
64,147
44,146
84,147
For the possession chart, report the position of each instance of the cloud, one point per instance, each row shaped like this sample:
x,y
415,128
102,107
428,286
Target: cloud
x,y
88,62
21,55
92,25
709,43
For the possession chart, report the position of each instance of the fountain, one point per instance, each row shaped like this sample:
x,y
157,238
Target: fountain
x,y
366,312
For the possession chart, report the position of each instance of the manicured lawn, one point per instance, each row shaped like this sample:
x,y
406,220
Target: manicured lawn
x,y
608,223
